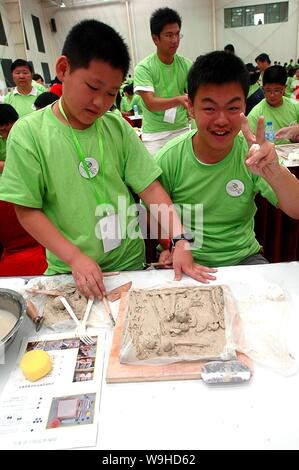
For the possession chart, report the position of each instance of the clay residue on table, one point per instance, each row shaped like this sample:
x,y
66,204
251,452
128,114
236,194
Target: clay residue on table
x,y
54,310
178,322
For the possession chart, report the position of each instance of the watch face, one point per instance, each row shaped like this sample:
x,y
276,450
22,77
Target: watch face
x,y
185,236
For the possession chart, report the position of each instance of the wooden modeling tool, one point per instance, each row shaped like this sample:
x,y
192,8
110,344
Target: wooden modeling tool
x,y
115,294
108,310
32,313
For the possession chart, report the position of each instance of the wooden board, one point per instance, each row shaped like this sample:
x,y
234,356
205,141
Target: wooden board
x,y
121,373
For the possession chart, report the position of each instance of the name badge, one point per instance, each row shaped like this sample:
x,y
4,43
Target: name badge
x,y
93,166
235,188
169,115
110,232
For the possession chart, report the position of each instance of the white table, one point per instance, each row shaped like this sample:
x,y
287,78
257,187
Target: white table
x,y
263,414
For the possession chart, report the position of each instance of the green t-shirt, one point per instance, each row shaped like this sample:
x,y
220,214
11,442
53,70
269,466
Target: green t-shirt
x,y
289,87
165,81
282,116
42,171
252,89
2,149
224,191
126,105
23,104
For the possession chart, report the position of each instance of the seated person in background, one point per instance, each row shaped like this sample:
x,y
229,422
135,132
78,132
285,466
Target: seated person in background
x,y
275,107
38,82
76,144
38,78
295,86
8,116
213,174
255,94
129,100
24,94
289,84
22,255
44,99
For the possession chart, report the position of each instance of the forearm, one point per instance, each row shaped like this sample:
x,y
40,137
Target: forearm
x,y
286,188
44,231
2,164
156,103
162,210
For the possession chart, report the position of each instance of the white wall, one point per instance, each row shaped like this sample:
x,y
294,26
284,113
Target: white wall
x,y
28,7
33,7
279,40
196,27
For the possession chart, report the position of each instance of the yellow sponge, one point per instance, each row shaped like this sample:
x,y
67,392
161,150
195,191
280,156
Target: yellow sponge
x,y
35,364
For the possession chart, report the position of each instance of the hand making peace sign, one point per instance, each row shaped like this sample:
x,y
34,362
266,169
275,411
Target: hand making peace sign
x,y
262,158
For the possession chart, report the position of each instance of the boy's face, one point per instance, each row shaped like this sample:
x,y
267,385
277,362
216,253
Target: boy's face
x,y
274,93
216,110
169,40
262,65
22,76
5,129
88,93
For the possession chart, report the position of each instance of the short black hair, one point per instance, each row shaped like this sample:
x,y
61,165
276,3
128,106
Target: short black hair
x,y
129,89
275,74
37,76
263,57
229,48
7,114
254,73
21,63
217,67
162,17
44,99
92,39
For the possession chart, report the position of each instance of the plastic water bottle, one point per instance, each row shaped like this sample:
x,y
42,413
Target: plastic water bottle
x,y
269,132
135,109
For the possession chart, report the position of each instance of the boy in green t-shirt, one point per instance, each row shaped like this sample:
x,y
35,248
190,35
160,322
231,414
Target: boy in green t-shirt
x,y
275,107
8,116
161,81
214,173
129,100
69,166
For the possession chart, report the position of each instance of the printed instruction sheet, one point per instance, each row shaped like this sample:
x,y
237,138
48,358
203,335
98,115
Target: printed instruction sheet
x,y
60,410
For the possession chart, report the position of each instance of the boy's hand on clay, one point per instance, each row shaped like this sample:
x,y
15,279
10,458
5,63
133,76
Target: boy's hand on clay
x,y
166,258
262,158
183,262
88,276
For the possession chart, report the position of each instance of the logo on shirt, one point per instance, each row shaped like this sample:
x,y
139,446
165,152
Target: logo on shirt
x,y
92,165
235,188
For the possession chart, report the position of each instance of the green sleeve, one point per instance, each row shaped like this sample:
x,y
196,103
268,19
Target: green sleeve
x,y
143,76
22,179
140,168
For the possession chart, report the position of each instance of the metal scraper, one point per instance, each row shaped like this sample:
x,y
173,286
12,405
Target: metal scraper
x,y
225,372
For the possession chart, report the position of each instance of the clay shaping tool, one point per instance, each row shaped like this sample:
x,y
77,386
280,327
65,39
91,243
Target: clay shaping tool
x,y
108,310
225,372
32,313
115,294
